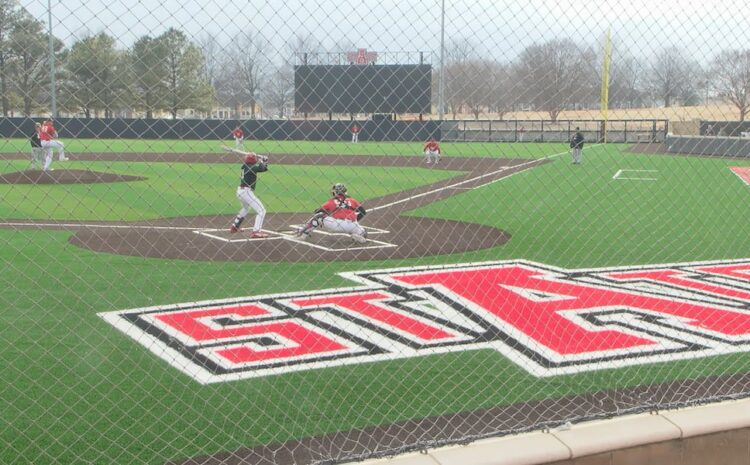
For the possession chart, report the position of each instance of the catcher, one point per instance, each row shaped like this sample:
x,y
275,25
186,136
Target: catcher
x,y
340,214
432,150
252,164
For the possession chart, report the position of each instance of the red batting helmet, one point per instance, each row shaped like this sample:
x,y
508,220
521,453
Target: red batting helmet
x,y
251,158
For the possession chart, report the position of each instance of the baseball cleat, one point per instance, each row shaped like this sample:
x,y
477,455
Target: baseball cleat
x,y
234,229
358,239
258,235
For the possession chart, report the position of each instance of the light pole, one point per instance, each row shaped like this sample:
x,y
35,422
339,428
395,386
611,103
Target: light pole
x,y
53,105
441,84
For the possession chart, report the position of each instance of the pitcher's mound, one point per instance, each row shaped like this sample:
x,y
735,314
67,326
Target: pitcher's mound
x,y
63,176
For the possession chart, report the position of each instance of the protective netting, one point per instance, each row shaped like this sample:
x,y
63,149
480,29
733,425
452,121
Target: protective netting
x,y
543,217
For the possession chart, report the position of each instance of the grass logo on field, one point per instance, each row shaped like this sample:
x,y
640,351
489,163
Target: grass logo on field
x,y
548,320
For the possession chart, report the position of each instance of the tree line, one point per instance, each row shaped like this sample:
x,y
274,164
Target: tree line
x,y
172,72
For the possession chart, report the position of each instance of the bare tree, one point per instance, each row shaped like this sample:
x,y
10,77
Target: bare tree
x,y
558,74
731,69
693,73
339,49
501,96
298,46
459,53
625,80
278,92
212,57
243,71
670,75
477,85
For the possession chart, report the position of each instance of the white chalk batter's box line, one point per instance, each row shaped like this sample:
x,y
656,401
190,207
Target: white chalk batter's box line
x,y
618,176
289,236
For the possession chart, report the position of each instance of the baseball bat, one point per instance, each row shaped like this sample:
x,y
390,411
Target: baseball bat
x,y
233,150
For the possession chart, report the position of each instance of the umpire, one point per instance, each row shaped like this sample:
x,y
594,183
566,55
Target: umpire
x,y
576,146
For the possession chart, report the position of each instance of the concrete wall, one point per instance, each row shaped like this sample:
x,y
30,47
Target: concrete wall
x,y
724,448
714,434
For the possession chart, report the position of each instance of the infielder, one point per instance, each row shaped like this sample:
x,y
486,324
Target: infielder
x,y
432,150
251,166
340,214
48,137
239,137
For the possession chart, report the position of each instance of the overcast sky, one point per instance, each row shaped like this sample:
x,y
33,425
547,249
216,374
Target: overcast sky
x,y
499,28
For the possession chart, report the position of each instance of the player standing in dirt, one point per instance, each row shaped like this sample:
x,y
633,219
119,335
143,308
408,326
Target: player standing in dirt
x,y
239,137
432,150
252,164
50,142
340,214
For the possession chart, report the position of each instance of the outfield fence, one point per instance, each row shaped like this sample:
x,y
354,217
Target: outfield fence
x,y
352,291
626,131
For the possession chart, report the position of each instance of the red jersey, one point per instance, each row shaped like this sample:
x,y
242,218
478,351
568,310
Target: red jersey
x,y
47,132
432,146
341,208
238,133
355,129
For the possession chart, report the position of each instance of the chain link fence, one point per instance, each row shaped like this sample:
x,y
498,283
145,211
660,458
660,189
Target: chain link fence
x,y
322,231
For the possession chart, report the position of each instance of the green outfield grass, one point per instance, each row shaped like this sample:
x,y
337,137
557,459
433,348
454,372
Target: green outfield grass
x,y
84,393
450,149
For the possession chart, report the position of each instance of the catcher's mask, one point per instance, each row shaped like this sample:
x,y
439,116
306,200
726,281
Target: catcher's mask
x,y
251,158
338,189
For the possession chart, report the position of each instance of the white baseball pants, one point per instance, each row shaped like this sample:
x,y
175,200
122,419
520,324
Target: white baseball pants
x,y
335,225
576,153
54,145
249,201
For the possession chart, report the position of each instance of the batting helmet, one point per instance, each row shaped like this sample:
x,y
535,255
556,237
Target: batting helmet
x,y
338,189
251,158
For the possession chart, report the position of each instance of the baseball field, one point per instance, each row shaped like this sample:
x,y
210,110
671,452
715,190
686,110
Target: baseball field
x,y
91,267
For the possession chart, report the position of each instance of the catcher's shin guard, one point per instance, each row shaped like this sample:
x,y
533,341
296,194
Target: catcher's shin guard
x,y
314,222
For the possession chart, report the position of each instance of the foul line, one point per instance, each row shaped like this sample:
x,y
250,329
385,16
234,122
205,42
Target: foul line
x,y
453,186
